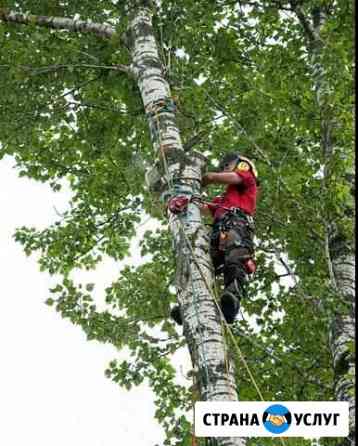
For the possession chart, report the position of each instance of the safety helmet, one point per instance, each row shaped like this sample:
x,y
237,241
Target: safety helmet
x,y
238,158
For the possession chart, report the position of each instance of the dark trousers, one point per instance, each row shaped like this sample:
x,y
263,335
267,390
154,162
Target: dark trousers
x,y
231,246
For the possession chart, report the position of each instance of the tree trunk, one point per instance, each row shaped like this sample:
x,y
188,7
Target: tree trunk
x,y
342,336
202,325
340,250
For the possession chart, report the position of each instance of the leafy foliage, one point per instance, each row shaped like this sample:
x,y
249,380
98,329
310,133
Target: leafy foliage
x,y
65,116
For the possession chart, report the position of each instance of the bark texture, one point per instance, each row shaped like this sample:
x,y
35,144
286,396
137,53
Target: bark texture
x,y
57,23
203,328
182,171
340,250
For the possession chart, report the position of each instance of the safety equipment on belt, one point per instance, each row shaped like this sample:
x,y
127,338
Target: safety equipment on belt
x,y
232,247
178,204
250,266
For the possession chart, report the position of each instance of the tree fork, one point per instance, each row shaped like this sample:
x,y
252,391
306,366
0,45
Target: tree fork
x,y
202,325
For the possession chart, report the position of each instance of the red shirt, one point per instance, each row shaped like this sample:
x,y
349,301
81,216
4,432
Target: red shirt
x,y
241,196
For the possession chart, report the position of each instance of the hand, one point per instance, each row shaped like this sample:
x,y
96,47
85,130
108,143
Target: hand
x,y
203,207
206,180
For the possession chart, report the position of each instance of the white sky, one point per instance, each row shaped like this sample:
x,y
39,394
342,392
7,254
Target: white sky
x,y
52,385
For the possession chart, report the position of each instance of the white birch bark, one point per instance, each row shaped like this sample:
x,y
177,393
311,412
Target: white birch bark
x,y
340,251
202,327
215,375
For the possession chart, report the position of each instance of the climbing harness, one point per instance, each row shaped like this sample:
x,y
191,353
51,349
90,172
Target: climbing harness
x,y
232,248
234,216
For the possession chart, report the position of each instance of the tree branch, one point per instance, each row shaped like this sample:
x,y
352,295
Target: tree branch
x,y
306,25
82,26
34,71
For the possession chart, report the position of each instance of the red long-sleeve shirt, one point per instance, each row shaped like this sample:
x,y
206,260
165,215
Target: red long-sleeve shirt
x,y
241,196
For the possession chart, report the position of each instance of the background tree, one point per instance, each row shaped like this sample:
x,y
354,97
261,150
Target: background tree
x,y
242,76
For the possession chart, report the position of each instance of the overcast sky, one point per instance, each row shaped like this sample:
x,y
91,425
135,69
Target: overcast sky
x,y
52,385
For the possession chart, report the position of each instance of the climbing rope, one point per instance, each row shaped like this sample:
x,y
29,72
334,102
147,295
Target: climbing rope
x,y
212,291
177,207
226,325
195,299
153,111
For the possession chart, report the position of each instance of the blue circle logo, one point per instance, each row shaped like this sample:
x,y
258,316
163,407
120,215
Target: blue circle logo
x,y
277,419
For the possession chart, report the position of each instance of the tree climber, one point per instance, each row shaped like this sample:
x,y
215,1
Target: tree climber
x,y
231,246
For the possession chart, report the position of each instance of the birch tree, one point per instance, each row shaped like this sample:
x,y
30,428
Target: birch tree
x,y
81,84
339,242
214,374
318,23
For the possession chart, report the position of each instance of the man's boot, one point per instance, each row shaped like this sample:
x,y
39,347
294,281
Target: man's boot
x,y
176,315
230,301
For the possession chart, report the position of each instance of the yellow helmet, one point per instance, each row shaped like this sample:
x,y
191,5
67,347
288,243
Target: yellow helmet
x,y
249,162
246,163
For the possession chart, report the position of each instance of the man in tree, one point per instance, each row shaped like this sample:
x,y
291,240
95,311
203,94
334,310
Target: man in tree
x,y
232,245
